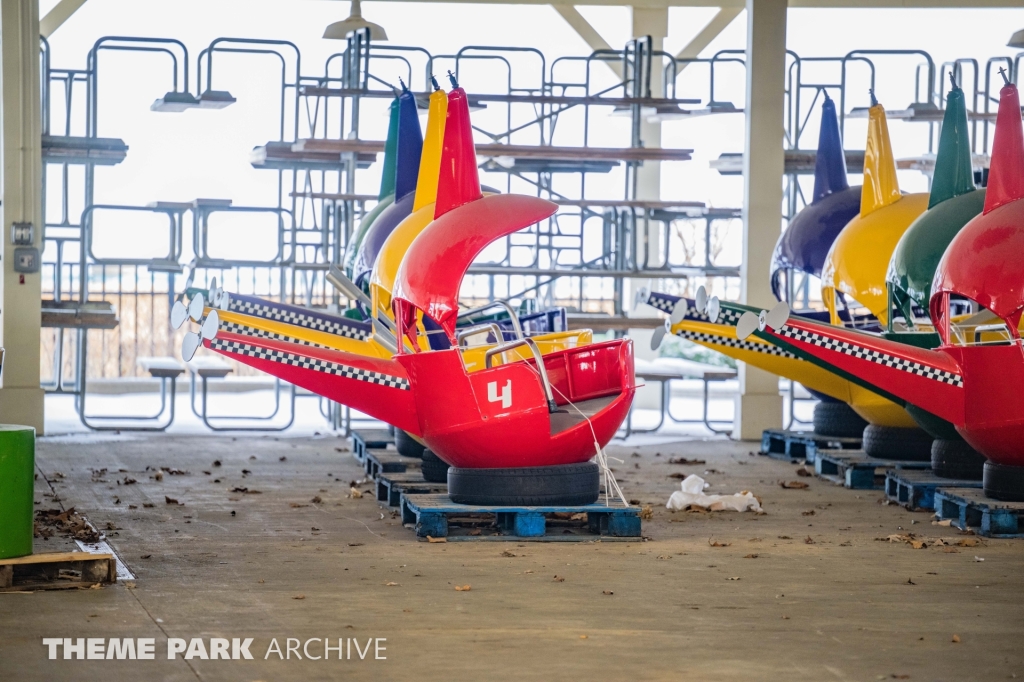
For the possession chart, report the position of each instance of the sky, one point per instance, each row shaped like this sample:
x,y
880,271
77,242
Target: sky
x,y
205,153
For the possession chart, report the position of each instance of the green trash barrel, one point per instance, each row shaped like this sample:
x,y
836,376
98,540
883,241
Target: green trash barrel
x,y
17,472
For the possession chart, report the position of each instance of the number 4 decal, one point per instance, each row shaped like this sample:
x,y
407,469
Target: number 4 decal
x,y
505,396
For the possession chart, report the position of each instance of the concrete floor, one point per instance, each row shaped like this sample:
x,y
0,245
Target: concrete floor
x,y
805,592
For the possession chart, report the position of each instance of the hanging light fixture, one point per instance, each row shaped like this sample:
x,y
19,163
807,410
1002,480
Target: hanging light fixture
x,y
339,30
1017,39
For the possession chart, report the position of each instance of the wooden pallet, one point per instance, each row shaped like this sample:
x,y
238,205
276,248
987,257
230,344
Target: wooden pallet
x,y
969,509
379,461
916,489
56,571
802,445
854,469
437,516
390,487
365,439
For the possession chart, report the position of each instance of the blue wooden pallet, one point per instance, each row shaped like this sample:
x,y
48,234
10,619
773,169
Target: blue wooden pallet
x,y
364,439
969,509
436,516
854,469
802,445
390,487
916,489
380,461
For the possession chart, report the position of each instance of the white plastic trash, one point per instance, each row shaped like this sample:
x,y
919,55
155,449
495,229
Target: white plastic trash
x,y
692,495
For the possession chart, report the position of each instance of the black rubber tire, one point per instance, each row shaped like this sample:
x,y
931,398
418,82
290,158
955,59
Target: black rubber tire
x,y
435,469
1003,482
407,446
564,484
956,459
391,429
891,442
837,419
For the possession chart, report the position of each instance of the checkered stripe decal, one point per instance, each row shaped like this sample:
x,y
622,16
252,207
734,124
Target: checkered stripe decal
x,y
735,343
875,356
269,312
665,303
244,330
314,364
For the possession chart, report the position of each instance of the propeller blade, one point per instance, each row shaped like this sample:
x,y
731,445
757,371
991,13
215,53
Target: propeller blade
x,y
678,312
701,299
642,294
778,316
658,337
746,326
211,326
195,307
713,309
189,345
179,313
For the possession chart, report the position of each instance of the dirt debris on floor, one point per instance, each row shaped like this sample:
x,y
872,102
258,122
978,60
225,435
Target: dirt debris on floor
x,y
806,591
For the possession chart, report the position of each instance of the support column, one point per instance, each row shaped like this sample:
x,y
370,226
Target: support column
x,y
759,405
21,398
647,22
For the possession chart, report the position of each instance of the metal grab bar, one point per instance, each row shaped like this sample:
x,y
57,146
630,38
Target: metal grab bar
x,y
517,328
479,329
532,345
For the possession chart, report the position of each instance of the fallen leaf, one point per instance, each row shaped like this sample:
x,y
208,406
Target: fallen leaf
x,y
807,513
148,505
809,540
296,505
683,460
583,637
355,544
646,513
944,522
607,592
735,578
950,550
750,556
785,618
282,458
785,537
803,471
900,677
508,553
316,500
956,639
463,588
299,596
716,543
391,584
431,539
171,500
559,580
146,556
910,582
677,475
794,485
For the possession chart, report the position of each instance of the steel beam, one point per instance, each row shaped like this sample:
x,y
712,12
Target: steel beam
x,y
56,17
21,398
759,405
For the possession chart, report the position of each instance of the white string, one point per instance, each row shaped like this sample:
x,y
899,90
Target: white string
x,y
601,456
